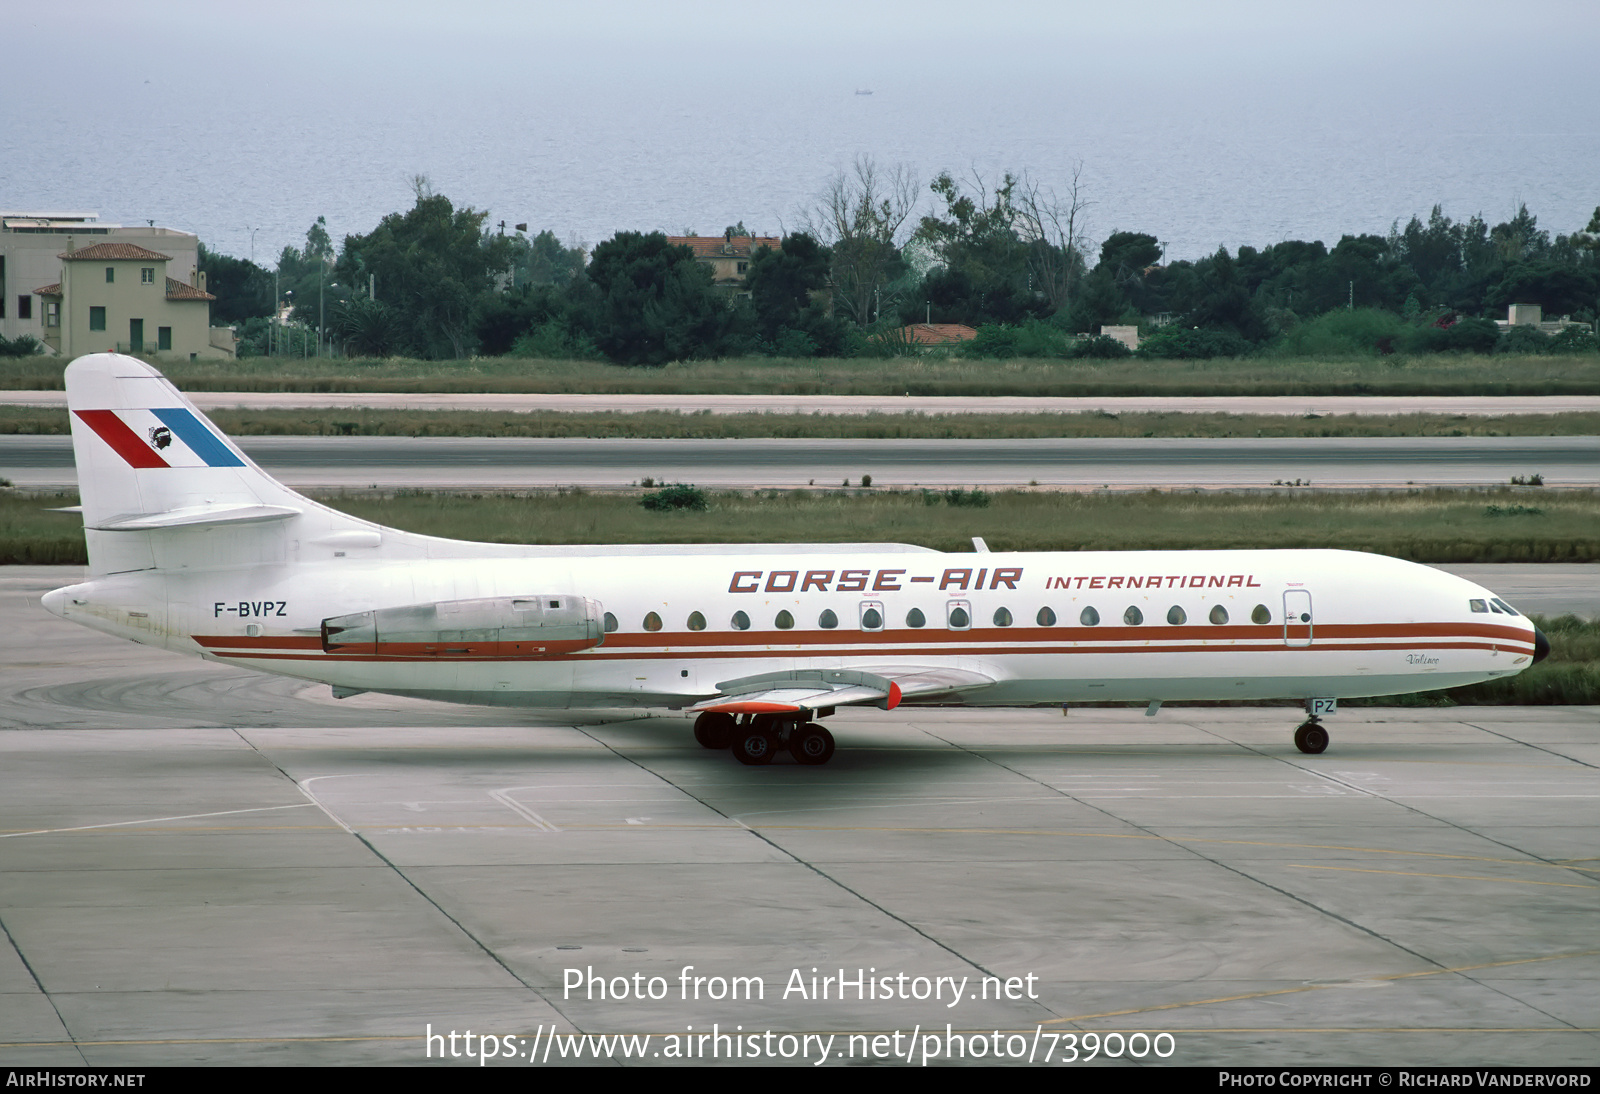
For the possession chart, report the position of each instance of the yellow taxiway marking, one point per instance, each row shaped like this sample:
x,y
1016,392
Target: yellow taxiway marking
x,y
1320,987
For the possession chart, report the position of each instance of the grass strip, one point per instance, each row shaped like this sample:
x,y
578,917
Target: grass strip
x,y
706,425
1451,374
1502,525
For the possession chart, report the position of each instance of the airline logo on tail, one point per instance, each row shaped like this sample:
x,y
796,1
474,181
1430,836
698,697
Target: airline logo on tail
x,y
162,437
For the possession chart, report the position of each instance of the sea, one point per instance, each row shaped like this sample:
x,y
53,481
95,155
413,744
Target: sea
x,y
248,150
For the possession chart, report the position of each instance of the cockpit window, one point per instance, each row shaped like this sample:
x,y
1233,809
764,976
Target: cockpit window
x,y
1478,605
1503,606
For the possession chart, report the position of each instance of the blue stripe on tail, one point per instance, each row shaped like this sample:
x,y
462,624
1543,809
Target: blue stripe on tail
x,y
192,433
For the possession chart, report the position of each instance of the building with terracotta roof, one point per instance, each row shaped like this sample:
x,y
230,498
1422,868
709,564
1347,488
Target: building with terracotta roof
x,y
937,334
32,246
727,255
116,296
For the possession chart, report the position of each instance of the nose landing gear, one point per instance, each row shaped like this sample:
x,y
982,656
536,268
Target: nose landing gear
x,y
1311,738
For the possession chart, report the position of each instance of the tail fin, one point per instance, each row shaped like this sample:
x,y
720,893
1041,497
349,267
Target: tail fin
x,y
162,487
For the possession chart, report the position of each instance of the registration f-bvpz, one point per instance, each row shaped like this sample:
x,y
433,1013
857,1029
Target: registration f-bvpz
x,y
194,548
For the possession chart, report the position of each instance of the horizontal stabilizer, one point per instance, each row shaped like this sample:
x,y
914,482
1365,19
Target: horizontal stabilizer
x,y
194,516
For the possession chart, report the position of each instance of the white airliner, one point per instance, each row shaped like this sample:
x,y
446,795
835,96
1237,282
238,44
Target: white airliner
x,y
194,548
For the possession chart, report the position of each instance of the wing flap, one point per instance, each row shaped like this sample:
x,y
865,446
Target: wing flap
x,y
814,689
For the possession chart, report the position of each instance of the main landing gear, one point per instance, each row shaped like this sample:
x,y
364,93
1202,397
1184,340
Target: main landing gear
x,y
755,739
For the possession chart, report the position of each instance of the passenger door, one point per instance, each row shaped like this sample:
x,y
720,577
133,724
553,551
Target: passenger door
x,y
1297,617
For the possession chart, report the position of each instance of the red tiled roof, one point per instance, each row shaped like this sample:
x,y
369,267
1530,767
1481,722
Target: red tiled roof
x,y
938,334
182,290
102,252
712,246
48,290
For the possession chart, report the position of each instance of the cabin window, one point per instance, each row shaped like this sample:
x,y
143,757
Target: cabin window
x,y
740,621
1002,617
1045,618
915,618
1502,605
697,622
652,622
1219,614
871,617
957,617
827,620
1177,616
1089,618
1133,616
611,622
1478,605
1261,615
784,621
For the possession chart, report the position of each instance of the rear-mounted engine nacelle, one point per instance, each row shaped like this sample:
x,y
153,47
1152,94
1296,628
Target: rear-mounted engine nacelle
x,y
502,626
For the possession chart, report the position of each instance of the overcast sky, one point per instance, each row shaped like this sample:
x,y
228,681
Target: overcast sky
x,y
1134,38
1218,121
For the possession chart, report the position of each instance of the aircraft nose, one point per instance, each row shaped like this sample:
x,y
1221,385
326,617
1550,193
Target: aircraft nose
x,y
55,602
1541,646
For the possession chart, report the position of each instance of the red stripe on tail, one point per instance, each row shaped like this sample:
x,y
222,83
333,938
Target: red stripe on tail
x,y
126,443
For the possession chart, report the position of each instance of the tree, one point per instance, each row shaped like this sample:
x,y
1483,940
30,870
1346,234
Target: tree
x,y
543,260
986,275
434,267
656,303
243,289
1053,227
860,217
788,298
366,327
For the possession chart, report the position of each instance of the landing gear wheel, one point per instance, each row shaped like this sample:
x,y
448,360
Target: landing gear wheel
x,y
713,729
811,744
754,746
1311,738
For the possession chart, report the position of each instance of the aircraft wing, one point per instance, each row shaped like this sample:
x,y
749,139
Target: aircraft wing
x,y
816,689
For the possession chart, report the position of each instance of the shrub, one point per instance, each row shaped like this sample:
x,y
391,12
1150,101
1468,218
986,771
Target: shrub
x,y
1173,342
1100,347
1524,341
993,340
1343,332
1464,336
676,496
23,345
972,499
1574,340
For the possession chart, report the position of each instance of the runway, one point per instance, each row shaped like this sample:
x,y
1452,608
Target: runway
x,y
199,865
452,462
1477,405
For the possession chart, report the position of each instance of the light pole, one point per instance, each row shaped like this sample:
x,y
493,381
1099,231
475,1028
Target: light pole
x,y
252,232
